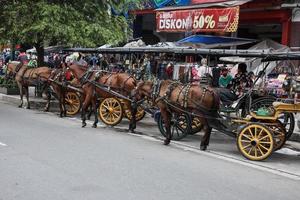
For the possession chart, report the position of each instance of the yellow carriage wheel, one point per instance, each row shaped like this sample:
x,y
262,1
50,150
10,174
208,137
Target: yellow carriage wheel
x,y
73,103
111,111
196,126
139,115
255,142
140,111
279,133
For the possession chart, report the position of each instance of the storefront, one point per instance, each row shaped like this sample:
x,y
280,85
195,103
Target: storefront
x,y
167,20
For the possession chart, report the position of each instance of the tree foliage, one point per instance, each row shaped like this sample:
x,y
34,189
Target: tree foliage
x,y
86,23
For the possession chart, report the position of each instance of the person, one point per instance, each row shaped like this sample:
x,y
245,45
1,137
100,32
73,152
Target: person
x,y
225,78
203,69
23,57
237,86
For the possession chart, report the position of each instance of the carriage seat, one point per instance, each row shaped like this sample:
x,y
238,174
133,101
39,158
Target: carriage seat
x,y
277,104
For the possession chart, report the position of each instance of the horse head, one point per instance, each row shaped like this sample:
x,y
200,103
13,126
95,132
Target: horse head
x,y
10,70
143,89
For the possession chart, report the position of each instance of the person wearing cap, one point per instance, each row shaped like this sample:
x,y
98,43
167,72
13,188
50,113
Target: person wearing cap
x,y
237,86
225,78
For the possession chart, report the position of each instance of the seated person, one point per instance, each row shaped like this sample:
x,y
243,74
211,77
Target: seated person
x,y
237,86
225,78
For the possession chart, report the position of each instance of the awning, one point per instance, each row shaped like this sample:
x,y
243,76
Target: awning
x,y
206,4
209,41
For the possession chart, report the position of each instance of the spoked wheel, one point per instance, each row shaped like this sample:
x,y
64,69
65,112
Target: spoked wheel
x,y
279,134
139,115
180,126
110,111
287,119
255,142
73,103
196,125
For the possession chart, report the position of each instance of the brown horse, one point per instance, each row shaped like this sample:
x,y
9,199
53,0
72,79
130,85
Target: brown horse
x,y
29,77
172,96
122,83
57,80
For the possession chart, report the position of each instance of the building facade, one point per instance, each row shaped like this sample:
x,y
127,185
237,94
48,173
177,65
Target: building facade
x,y
278,20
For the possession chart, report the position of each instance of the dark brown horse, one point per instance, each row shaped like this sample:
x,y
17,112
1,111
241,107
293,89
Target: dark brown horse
x,y
29,77
57,81
172,96
122,83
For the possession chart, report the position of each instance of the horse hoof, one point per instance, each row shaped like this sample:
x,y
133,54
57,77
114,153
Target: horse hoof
x,y
94,126
203,148
28,108
83,125
167,141
131,131
20,106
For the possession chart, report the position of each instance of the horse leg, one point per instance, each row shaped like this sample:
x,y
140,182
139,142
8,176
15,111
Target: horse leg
x,y
26,89
64,102
133,110
48,93
206,136
21,93
90,112
166,116
95,106
85,105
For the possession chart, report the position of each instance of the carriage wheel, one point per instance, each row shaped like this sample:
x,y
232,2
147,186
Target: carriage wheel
x,y
196,126
287,119
180,126
73,103
139,115
110,111
279,133
255,141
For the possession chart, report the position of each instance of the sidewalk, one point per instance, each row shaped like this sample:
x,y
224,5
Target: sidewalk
x,y
35,102
39,104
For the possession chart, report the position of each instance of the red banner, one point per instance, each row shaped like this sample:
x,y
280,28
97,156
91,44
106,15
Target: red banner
x,y
198,20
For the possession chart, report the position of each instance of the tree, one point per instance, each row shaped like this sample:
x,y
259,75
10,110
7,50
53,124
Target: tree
x,y
65,22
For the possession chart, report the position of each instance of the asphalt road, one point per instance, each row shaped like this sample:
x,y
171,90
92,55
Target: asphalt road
x,y
45,157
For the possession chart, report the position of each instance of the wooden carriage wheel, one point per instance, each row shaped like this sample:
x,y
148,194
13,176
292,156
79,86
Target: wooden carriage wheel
x,y
140,111
279,134
180,126
196,125
139,115
255,141
110,111
73,103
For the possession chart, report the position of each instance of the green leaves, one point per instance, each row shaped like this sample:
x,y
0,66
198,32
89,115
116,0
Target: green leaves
x,y
67,22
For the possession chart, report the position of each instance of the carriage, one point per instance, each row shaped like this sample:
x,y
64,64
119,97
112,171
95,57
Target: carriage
x,y
111,110
258,135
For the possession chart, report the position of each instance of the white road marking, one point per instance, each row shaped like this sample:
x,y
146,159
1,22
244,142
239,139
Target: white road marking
x,y
2,144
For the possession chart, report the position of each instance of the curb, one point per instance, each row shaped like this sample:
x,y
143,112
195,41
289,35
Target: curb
x,y
35,103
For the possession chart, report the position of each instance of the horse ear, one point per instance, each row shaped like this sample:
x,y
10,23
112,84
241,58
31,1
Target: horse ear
x,y
140,84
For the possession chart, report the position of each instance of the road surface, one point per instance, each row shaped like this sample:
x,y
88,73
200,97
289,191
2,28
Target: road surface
x,y
45,157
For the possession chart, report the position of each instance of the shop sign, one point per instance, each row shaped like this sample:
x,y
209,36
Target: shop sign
x,y
198,20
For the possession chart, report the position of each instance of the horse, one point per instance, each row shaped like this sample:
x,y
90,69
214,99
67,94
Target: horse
x,y
57,81
25,77
170,96
122,83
